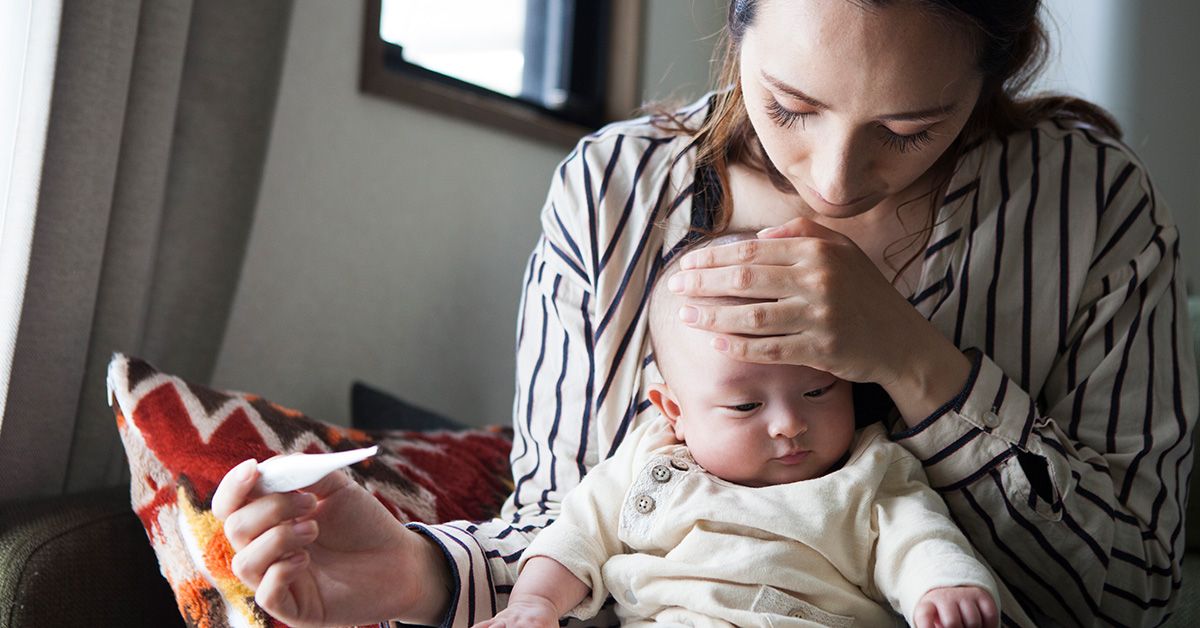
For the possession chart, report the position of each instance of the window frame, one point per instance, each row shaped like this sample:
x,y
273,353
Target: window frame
x,y
463,100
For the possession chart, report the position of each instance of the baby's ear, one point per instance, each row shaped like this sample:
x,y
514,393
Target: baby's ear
x,y
662,399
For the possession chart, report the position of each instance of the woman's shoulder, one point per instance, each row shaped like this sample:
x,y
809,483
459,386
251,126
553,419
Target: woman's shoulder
x,y
620,177
1081,188
657,141
662,123
1081,154
1062,164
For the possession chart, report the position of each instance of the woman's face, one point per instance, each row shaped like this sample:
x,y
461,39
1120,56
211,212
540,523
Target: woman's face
x,y
854,105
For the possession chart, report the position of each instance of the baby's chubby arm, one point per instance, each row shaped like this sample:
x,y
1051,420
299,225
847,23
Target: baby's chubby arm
x,y
545,591
923,562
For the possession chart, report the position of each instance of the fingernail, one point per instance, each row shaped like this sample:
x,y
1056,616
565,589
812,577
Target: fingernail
x,y
689,314
675,284
688,261
308,502
767,232
304,528
295,559
245,470
720,344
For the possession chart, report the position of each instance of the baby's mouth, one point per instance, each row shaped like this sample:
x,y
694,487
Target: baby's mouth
x,y
794,457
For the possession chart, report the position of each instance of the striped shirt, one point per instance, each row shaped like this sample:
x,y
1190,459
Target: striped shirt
x,y
1065,457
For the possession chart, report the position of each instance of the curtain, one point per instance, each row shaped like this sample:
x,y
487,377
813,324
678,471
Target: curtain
x,y
158,129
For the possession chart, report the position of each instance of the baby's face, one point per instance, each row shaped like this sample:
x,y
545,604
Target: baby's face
x,y
754,424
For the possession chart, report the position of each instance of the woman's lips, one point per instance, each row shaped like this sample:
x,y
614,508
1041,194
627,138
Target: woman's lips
x,y
832,204
794,458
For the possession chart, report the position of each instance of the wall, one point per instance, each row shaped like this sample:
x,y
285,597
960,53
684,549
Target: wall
x,y
389,242
1138,60
1165,126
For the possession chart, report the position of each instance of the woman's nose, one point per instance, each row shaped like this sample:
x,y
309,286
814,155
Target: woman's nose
x,y
836,170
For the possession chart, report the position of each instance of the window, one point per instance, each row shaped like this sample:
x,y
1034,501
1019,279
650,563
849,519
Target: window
x,y
549,69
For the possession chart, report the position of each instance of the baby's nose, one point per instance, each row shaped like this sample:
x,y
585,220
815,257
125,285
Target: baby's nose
x,y
788,425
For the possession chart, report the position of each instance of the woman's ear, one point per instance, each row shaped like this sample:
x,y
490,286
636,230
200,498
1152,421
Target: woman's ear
x,y
662,399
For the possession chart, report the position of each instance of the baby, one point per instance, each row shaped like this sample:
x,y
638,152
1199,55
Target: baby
x,y
752,501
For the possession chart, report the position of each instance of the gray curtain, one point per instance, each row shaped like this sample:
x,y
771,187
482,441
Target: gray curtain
x,y
159,125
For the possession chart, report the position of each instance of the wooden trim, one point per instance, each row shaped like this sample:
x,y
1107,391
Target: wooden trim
x,y
622,93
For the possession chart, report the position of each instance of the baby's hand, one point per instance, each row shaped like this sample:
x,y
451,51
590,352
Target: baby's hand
x,y
956,607
528,611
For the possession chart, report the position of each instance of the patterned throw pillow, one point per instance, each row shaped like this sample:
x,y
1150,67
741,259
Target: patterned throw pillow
x,y
182,438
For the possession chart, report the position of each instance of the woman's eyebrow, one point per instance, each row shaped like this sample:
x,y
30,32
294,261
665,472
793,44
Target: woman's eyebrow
x,y
918,115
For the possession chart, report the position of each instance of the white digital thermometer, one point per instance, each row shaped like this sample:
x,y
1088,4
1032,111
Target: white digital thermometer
x,y
296,471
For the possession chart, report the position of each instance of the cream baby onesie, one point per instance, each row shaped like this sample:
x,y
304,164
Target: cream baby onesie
x,y
675,544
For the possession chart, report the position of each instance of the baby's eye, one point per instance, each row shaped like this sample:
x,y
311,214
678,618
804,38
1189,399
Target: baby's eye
x,y
745,407
812,394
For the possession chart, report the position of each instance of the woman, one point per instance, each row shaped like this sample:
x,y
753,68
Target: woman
x,y
1000,268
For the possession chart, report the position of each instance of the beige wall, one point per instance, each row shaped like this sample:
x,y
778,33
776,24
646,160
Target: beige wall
x,y
389,242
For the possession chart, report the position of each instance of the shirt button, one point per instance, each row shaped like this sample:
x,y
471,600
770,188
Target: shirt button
x,y
644,504
661,473
991,419
679,464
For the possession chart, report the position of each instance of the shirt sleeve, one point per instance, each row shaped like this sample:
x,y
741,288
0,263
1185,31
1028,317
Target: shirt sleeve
x,y
552,409
1075,494
919,548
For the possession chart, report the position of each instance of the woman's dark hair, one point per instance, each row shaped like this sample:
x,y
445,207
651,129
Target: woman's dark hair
x,y
1011,48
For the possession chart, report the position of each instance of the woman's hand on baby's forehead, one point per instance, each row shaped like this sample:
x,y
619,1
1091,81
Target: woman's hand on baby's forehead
x,y
826,305
767,248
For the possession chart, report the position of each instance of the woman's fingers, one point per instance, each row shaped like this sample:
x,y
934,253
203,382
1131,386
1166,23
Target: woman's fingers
x,y
235,488
251,563
765,318
767,253
750,282
255,518
274,589
765,350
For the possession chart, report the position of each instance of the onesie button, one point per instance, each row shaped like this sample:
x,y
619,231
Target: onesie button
x,y
991,419
644,504
679,464
660,473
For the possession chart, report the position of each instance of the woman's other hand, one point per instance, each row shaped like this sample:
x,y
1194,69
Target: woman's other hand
x,y
331,554
826,306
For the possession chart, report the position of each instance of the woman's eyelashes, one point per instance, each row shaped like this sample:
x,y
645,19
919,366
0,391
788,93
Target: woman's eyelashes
x,y
906,143
745,407
786,118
